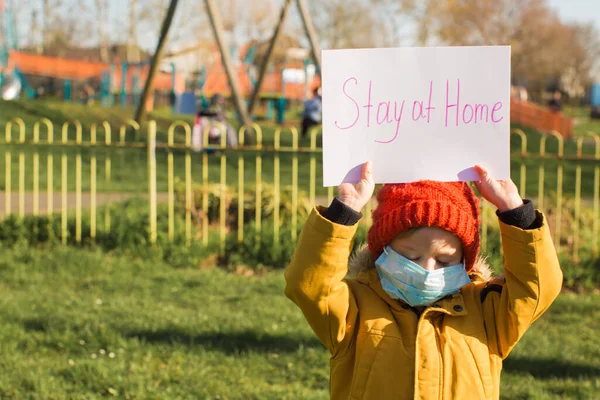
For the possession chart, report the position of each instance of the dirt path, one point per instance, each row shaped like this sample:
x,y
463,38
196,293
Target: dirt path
x,y
101,198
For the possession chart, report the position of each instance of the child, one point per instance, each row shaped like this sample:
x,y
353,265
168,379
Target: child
x,y
421,318
312,111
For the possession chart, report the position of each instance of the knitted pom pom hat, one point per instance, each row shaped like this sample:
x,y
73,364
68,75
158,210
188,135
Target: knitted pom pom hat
x,y
452,206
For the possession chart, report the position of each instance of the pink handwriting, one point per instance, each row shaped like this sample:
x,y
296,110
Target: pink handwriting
x,y
382,116
419,113
471,113
386,117
355,104
391,111
368,106
497,107
398,118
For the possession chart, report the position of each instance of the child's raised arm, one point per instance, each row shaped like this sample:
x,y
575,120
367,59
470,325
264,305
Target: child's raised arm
x,y
533,278
315,276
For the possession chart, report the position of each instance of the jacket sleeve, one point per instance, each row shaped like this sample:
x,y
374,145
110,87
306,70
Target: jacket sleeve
x,y
315,278
532,281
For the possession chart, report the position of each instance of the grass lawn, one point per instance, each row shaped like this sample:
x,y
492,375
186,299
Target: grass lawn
x,y
583,122
82,324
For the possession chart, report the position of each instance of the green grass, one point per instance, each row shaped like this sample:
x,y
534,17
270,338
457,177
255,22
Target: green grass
x,y
583,122
60,112
202,333
550,165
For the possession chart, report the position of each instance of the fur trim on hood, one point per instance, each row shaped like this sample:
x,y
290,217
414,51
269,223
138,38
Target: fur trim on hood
x,y
362,260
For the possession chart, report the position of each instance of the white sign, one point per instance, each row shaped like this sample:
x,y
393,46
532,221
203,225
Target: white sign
x,y
417,113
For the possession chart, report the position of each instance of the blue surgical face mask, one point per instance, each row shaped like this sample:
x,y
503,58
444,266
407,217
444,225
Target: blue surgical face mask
x,y
403,279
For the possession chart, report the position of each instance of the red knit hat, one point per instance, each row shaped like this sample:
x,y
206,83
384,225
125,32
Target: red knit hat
x,y
448,205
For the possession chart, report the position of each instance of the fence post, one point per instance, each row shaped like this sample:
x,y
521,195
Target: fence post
x,y
188,180
78,184
171,183
240,208
36,171
259,143
21,125
523,177
21,172
64,196
313,167
294,183
223,192
276,189
188,186
559,187
152,178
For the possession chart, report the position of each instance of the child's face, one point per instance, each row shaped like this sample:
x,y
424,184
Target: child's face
x,y
430,247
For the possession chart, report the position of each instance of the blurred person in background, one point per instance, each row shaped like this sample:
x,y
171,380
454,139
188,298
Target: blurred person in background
x,y
312,111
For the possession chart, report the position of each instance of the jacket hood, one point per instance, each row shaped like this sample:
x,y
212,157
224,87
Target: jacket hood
x,y
362,261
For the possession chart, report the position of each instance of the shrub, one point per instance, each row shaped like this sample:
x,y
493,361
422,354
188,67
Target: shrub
x,y
30,229
129,233
231,198
585,275
262,250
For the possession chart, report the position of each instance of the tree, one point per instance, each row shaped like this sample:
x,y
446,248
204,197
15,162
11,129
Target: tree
x,y
544,50
217,26
47,20
357,23
244,21
65,28
34,31
102,7
133,53
266,56
581,57
280,51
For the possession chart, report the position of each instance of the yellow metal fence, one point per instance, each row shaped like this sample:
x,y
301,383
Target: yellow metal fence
x,y
548,168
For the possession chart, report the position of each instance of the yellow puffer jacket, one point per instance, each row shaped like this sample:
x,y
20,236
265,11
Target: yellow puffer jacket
x,y
382,349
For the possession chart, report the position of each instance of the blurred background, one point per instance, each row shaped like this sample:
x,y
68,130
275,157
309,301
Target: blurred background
x,y
158,159
555,44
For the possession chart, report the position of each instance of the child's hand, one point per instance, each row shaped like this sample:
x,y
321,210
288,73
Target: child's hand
x,y
503,194
357,195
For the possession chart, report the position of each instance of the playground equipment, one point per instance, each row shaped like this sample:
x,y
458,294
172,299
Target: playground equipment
x,y
286,82
11,88
15,66
217,73
123,81
14,83
130,77
595,101
540,118
8,42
